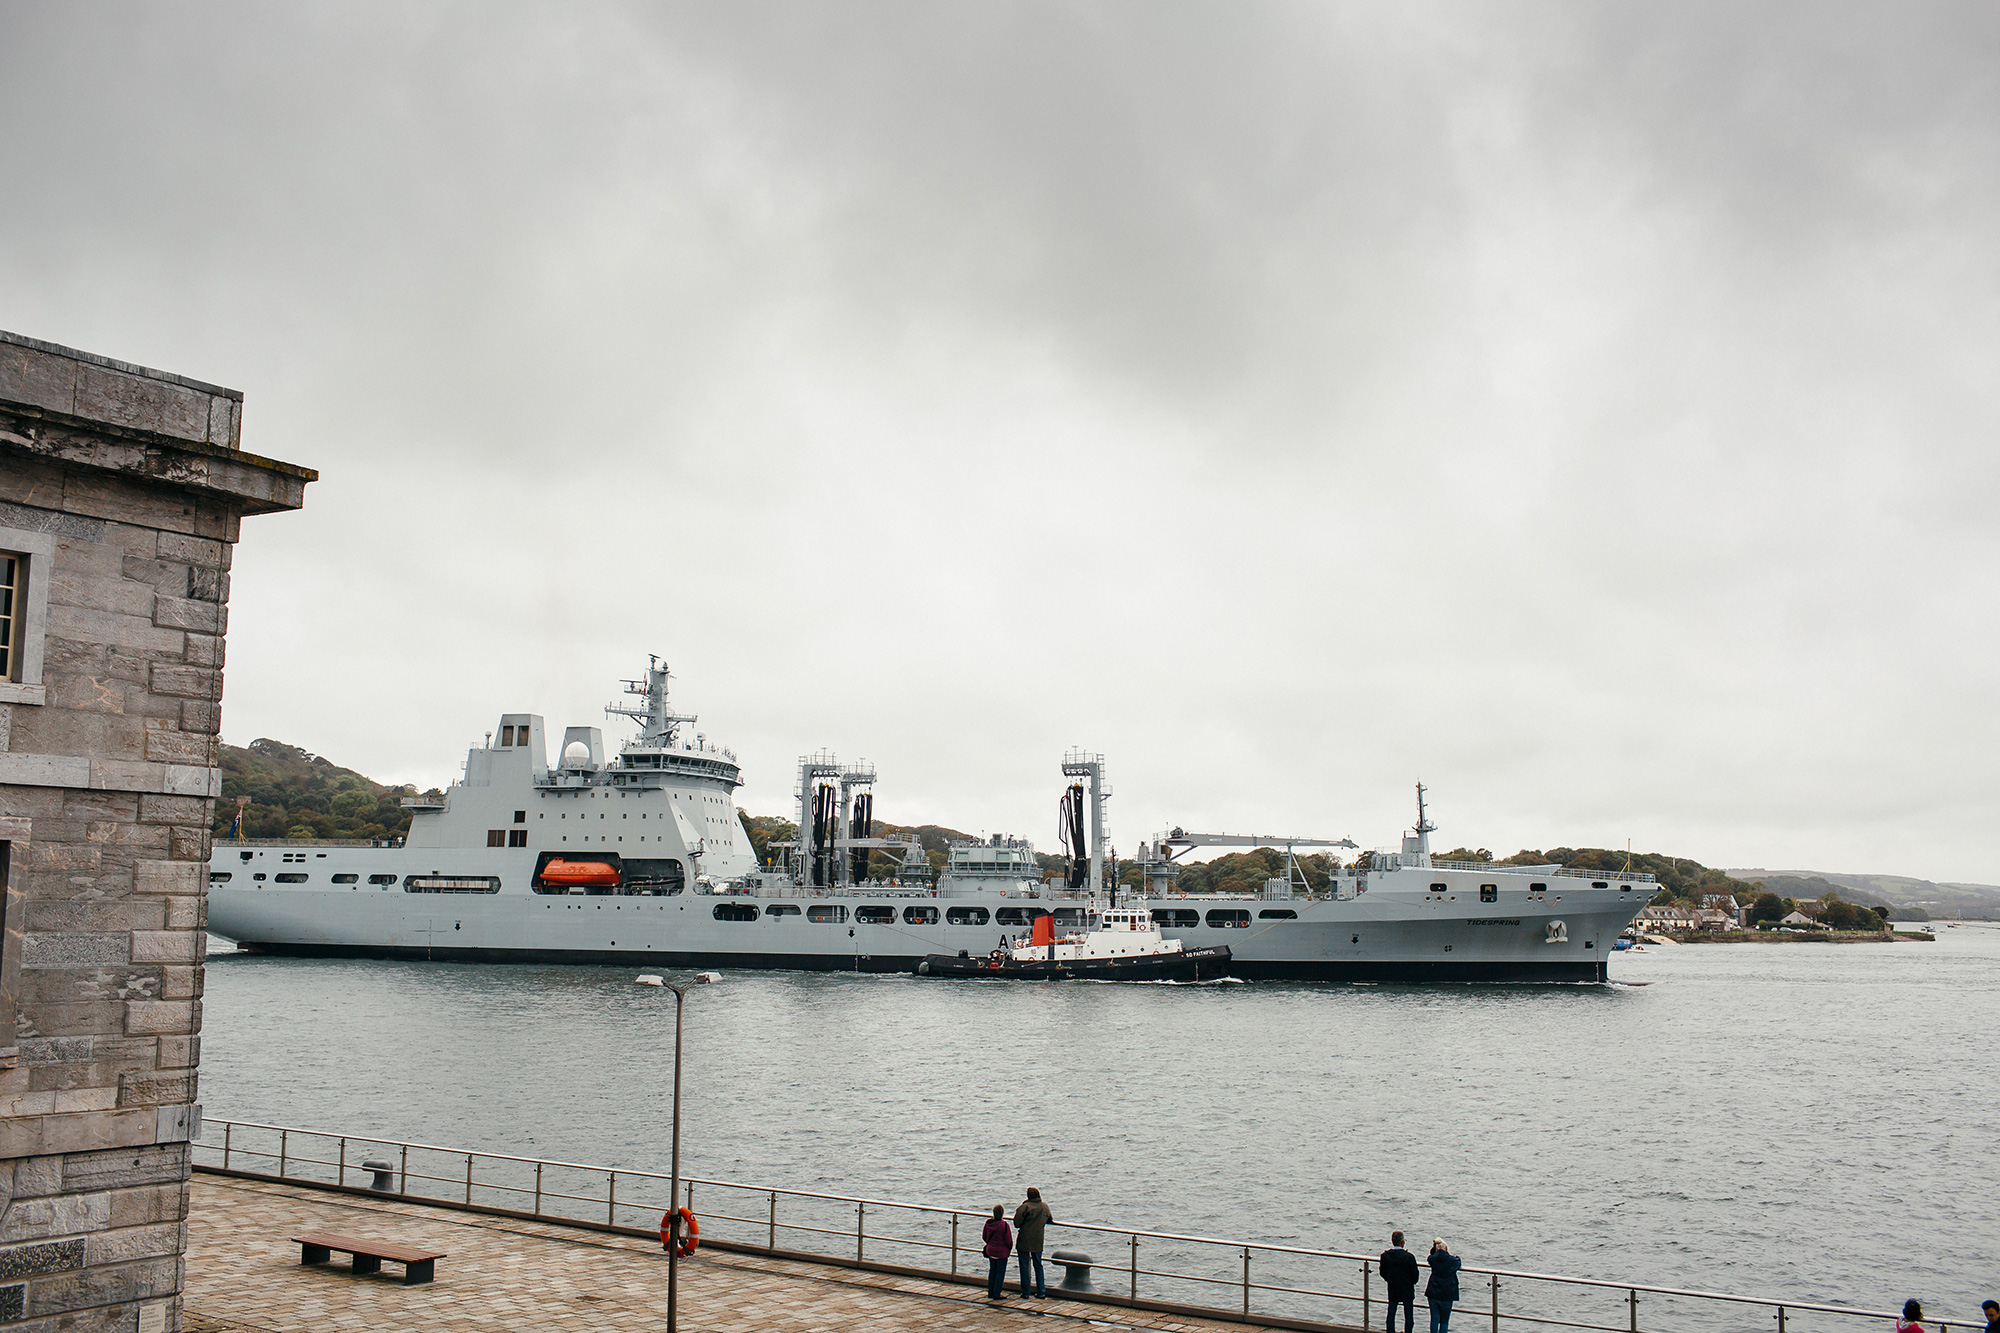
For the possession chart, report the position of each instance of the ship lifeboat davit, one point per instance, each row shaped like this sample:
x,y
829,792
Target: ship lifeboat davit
x,y
581,874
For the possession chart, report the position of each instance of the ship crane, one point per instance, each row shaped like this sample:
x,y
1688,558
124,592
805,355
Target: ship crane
x,y
1158,856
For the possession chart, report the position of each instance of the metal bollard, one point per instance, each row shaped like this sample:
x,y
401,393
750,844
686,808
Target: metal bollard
x,y
1076,1269
385,1175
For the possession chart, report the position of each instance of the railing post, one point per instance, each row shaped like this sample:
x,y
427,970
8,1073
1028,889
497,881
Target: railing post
x,y
403,1173
343,1160
468,1177
227,1126
1496,1303
954,1244
1781,1319
1364,1295
538,1189
773,1243
611,1201
1135,1268
1633,1297
1246,1281
860,1212
284,1145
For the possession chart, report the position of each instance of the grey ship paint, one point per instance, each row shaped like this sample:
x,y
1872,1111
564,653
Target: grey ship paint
x,y
474,881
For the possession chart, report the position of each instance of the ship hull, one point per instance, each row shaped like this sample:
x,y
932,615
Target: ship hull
x,y
1179,965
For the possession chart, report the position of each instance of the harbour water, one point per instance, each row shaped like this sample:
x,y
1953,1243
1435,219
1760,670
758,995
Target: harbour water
x,y
1814,1121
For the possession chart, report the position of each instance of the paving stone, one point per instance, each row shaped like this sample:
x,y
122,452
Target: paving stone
x,y
243,1274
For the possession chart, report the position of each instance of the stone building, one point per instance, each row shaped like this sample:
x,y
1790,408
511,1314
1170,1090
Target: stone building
x,y
121,490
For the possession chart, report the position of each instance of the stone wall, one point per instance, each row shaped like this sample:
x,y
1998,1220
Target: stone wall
x,y
126,499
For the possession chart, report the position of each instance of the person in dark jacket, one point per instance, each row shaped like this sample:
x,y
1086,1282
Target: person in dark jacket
x,y
1399,1272
1991,1309
1442,1290
999,1238
1029,1220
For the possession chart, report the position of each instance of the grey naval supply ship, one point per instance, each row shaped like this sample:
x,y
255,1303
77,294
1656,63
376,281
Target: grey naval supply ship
x,y
640,858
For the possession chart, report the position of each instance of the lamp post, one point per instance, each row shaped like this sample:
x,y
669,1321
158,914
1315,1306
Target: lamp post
x,y
674,1196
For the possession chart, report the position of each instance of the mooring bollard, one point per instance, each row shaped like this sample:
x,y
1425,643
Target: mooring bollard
x,y
385,1175
1076,1269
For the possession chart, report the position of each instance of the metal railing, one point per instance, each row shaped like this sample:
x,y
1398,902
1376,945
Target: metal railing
x,y
1212,1275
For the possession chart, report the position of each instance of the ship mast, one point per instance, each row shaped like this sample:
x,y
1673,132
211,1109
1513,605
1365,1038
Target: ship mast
x,y
659,727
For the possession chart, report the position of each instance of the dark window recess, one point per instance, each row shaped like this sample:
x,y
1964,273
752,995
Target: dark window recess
x,y
520,816
1489,893
291,879
920,916
218,877
506,736
1538,888
381,879
1223,917
346,879
735,911
1017,916
1176,916
1599,884
260,875
517,837
496,837
966,916
1071,918
451,884
875,916
1438,888
832,912
782,909
1277,914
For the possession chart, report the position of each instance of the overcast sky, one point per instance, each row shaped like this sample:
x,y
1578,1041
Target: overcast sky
x,y
1586,409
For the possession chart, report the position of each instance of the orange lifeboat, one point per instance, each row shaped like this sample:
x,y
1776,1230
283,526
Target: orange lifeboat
x,y
581,874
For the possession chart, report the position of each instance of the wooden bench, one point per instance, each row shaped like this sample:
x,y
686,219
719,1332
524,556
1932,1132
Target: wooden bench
x,y
418,1265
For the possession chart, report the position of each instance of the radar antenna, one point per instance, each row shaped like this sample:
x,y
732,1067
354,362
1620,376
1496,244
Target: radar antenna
x,y
658,726
1424,825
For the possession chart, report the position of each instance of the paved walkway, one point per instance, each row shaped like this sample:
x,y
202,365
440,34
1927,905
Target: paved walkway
x,y
244,1276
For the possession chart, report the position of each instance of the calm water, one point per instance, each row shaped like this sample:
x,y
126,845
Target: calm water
x,y
1811,1121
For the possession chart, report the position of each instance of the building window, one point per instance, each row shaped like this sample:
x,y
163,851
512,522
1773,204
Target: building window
x,y
10,949
520,816
1489,893
496,837
517,837
24,609
12,567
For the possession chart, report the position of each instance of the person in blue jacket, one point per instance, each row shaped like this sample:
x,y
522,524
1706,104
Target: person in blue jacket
x,y
1442,1290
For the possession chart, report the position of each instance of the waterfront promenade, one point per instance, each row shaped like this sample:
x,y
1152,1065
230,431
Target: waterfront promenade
x,y
244,1276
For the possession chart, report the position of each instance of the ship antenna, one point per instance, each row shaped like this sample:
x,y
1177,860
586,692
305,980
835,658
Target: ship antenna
x,y
1424,825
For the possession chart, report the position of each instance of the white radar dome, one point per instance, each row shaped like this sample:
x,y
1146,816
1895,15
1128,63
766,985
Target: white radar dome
x,y
576,755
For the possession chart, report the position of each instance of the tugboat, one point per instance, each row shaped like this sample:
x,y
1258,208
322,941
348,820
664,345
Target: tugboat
x,y
1118,944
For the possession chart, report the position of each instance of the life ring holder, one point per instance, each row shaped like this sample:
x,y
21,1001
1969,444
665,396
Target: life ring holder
x,y
690,1233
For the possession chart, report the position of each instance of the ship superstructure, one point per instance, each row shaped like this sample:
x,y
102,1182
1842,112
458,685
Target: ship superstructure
x,y
641,857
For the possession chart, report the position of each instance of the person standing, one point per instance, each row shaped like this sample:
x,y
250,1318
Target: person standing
x,y
999,1238
1913,1318
1442,1290
1991,1309
1029,1219
1399,1272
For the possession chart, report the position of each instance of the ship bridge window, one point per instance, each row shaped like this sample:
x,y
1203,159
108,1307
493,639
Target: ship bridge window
x,y
782,909
966,916
735,912
1438,888
1277,914
517,837
520,816
1176,916
381,879
451,884
875,915
218,877
1226,917
346,879
827,912
291,879
920,916
1017,916
1489,893
496,837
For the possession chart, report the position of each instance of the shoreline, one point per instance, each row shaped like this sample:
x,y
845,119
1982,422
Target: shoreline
x,y
1786,937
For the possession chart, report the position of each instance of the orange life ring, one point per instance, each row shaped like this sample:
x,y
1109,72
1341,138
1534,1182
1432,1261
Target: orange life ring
x,y
690,1233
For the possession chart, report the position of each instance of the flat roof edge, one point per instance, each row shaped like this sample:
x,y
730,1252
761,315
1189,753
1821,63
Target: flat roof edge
x,y
130,368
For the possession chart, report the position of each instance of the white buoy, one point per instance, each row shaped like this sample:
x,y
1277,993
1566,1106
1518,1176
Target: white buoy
x,y
649,980
708,978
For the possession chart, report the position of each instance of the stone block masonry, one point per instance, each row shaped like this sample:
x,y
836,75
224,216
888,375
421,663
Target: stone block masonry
x,y
122,490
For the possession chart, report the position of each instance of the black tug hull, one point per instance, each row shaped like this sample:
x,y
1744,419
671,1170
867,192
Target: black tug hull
x,y
1188,965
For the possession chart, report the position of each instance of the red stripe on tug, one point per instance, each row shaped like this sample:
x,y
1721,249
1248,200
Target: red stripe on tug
x,y
590,874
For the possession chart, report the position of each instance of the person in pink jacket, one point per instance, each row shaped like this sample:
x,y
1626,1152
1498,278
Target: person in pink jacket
x,y
999,1238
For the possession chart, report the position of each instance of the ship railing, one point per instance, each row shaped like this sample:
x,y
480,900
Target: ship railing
x,y
1209,1276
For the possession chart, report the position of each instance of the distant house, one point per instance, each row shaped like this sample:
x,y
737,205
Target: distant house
x,y
1799,919
1671,916
1715,918
1724,903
